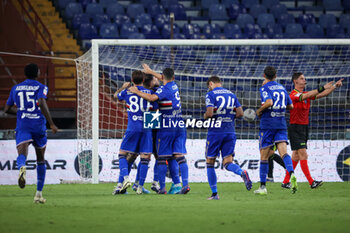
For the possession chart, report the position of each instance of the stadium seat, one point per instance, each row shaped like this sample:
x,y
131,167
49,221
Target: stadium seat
x,y
150,31
244,19
179,11
72,9
143,19
273,30
346,4
212,59
206,4
294,31
235,9
251,30
166,30
115,9
148,3
162,19
179,36
228,3
79,19
210,30
332,5
217,12
314,31
99,19
63,3
306,19
136,36
93,9
109,31
270,3
230,30
155,10
335,31
285,19
128,29
191,30
242,71
87,31
278,10
84,3
327,20
257,10
167,3
121,19
107,3
249,3
134,10
265,19
344,20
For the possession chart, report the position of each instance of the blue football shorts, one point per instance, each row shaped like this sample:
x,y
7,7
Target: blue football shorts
x,y
137,142
39,139
269,137
224,143
170,142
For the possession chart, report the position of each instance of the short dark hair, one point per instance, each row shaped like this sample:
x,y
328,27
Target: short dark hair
x,y
31,71
147,80
137,77
168,73
270,72
214,79
296,75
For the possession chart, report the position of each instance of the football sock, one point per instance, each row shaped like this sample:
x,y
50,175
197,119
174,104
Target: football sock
x,y
288,163
278,160
264,167
270,173
305,169
287,177
212,178
233,168
162,169
155,171
174,170
138,171
123,166
143,170
184,169
41,172
21,161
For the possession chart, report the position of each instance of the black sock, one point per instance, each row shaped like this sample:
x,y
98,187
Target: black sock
x,y
279,160
214,194
262,184
270,172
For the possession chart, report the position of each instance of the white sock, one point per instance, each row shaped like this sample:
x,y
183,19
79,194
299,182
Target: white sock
x,y
39,193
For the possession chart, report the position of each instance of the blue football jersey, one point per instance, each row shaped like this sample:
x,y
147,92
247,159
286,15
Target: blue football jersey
x,y
25,96
136,106
224,103
274,116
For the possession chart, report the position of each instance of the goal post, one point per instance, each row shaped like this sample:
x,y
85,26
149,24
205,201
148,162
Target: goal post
x,y
238,62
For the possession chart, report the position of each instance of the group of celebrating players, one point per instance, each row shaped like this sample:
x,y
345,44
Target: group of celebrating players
x,y
169,144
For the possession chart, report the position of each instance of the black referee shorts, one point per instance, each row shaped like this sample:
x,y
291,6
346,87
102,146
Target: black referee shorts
x,y
298,136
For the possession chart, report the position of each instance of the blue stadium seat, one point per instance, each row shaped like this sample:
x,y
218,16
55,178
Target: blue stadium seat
x,y
72,9
265,19
242,71
270,3
79,19
314,31
155,10
115,9
332,5
235,9
212,59
278,10
228,3
325,69
128,29
93,9
249,3
230,30
252,29
87,31
162,19
257,10
294,31
135,9
179,11
346,4
121,19
285,19
191,30
150,31
109,31
136,36
244,19
344,20
148,3
165,31
306,19
84,3
143,19
100,19
327,20
107,3
273,30
179,36
167,3
206,4
63,3
335,31
217,12
210,30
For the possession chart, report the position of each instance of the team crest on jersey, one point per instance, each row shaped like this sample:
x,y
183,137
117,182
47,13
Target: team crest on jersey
x,y
264,94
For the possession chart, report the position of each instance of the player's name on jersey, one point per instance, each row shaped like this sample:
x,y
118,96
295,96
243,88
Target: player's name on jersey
x,y
27,88
191,123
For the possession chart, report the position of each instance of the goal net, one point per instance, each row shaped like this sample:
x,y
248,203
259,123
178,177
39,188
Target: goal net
x,y
102,120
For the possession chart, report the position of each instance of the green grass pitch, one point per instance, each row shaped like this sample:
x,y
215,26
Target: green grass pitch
x,y
91,208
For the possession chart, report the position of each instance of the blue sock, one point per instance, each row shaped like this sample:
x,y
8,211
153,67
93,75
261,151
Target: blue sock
x,y
121,178
123,166
174,170
264,168
212,177
184,170
41,172
162,169
138,171
233,168
143,170
155,170
21,161
288,163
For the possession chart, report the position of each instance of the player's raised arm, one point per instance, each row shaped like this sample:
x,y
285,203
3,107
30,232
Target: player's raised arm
x,y
45,111
148,70
146,96
124,86
331,89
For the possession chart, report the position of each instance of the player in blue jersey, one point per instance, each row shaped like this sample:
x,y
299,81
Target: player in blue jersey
x,y
273,127
222,105
171,141
32,112
136,140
